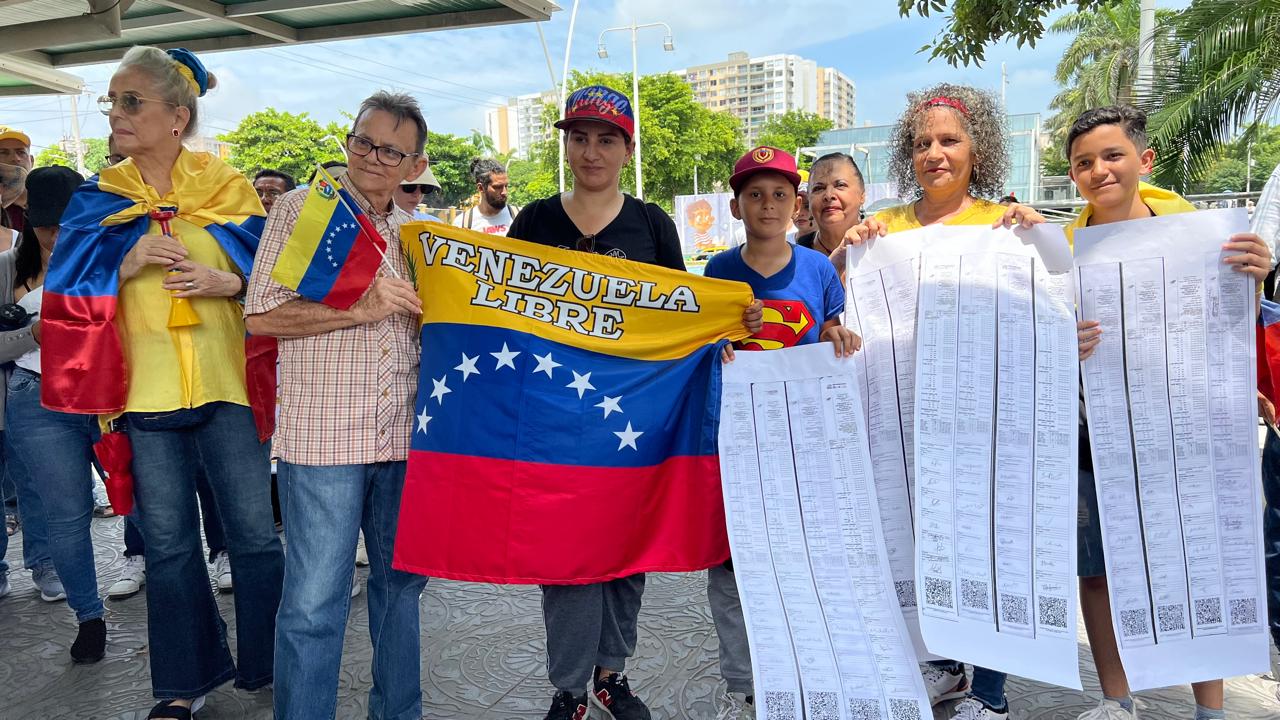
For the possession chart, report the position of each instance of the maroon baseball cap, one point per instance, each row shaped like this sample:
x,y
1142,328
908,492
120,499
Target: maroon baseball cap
x,y
764,158
602,104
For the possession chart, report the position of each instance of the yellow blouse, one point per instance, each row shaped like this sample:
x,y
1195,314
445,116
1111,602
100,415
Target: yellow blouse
x,y
903,217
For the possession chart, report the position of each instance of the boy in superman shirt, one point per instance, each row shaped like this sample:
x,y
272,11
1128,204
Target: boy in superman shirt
x,y
1107,151
803,299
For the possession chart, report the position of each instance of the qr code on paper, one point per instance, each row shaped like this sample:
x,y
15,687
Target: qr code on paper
x,y
974,594
823,706
1053,612
906,590
1014,609
1208,611
1244,611
1171,618
937,592
780,705
864,709
900,709
1133,623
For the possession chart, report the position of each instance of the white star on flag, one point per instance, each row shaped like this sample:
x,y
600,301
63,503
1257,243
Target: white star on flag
x,y
545,364
581,383
440,389
468,367
627,438
506,357
610,405
423,419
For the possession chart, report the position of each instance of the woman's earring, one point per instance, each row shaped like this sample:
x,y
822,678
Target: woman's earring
x,y
175,132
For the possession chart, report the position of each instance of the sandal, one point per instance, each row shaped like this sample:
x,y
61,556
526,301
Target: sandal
x,y
166,710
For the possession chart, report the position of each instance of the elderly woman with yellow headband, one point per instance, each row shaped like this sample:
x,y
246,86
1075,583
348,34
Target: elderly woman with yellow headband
x,y
143,325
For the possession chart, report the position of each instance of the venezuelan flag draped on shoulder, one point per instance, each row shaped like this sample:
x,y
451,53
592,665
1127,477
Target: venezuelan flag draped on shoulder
x,y
334,251
82,362
566,414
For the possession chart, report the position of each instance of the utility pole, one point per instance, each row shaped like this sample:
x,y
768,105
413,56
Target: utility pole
x,y
1248,167
564,81
75,136
668,44
1004,87
1146,46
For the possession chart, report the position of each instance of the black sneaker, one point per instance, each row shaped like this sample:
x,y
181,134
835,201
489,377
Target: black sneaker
x,y
91,642
567,706
613,695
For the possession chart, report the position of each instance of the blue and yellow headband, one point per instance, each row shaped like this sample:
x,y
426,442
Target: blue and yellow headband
x,y
190,67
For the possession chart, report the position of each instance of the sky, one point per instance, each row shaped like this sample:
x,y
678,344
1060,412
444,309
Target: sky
x,y
459,74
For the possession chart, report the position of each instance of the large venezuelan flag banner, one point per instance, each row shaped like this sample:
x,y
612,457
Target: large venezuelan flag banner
x,y
566,414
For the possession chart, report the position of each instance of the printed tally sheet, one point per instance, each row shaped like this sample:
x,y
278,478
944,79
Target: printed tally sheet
x,y
1172,411
972,409
826,637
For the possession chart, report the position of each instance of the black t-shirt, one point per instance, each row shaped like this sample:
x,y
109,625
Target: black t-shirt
x,y
641,232
806,240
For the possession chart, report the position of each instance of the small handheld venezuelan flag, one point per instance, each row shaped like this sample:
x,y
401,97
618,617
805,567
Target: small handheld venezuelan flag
x,y
334,251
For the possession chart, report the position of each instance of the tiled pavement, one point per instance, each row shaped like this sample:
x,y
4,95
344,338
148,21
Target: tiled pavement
x,y
482,658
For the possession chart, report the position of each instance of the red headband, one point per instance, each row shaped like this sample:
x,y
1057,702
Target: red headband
x,y
949,102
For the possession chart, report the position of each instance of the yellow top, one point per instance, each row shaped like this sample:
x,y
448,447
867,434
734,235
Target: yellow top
x,y
903,217
172,369
1161,202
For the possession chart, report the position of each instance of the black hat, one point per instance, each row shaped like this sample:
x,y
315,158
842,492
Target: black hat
x,y
49,190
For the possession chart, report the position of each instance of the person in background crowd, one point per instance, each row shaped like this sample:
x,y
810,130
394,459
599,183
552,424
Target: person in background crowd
x,y
1266,223
271,184
59,444
13,185
492,214
805,227
181,388
409,194
349,379
15,149
948,150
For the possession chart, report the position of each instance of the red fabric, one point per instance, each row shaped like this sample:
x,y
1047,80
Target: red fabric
x,y
260,355
623,521
116,455
90,375
360,268
1269,361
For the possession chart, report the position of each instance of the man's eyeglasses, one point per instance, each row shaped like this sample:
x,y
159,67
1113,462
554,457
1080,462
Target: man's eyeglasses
x,y
268,193
411,189
586,243
385,154
129,102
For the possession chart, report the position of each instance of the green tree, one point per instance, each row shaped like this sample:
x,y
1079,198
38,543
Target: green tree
x,y
1053,160
451,158
95,156
1219,76
676,134
793,129
1226,174
282,140
531,180
1100,66
974,24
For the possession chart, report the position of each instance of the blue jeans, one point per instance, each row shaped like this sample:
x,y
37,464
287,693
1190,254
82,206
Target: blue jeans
x,y
35,535
988,685
61,446
187,636
324,509
1271,529
214,538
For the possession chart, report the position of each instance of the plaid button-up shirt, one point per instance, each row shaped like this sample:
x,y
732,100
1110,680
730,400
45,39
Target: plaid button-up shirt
x,y
346,396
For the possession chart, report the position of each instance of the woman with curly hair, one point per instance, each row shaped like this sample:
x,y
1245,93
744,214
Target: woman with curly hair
x,y
949,153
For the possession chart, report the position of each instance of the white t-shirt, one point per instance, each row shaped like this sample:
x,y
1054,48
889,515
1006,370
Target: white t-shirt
x,y
497,224
31,303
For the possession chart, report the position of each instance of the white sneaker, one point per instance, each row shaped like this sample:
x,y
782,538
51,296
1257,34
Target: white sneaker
x,y
734,706
973,709
356,587
1109,710
222,572
943,685
362,557
132,577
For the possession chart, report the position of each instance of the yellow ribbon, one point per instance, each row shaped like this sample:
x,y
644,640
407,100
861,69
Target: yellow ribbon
x,y
185,72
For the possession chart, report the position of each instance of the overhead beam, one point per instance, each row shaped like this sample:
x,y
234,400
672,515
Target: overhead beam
x,y
164,19
263,7
217,11
47,33
532,9
47,78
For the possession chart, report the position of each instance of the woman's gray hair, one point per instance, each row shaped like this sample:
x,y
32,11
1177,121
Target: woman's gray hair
x,y
982,119
171,85
401,106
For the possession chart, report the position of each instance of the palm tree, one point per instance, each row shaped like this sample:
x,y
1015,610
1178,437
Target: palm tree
x,y
1218,76
1100,66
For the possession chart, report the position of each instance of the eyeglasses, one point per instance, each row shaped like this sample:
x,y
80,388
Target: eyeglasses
x,y
586,243
411,189
269,192
386,155
129,102
114,159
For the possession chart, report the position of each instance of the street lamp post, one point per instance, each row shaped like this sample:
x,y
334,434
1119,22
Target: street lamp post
x,y
668,44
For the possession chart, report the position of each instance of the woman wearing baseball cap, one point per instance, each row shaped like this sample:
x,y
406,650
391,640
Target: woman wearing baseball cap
x,y
591,629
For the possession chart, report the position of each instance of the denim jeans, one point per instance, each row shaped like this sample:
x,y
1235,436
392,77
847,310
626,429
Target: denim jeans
x,y
35,535
324,509
214,539
187,636
988,685
1271,529
61,446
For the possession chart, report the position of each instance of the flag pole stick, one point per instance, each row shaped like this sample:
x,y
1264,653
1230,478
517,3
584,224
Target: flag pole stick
x,y
353,212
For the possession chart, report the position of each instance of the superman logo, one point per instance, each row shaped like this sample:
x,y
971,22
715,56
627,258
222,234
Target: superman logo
x,y
785,322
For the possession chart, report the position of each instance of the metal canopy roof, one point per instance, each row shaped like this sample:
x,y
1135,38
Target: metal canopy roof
x,y
37,37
